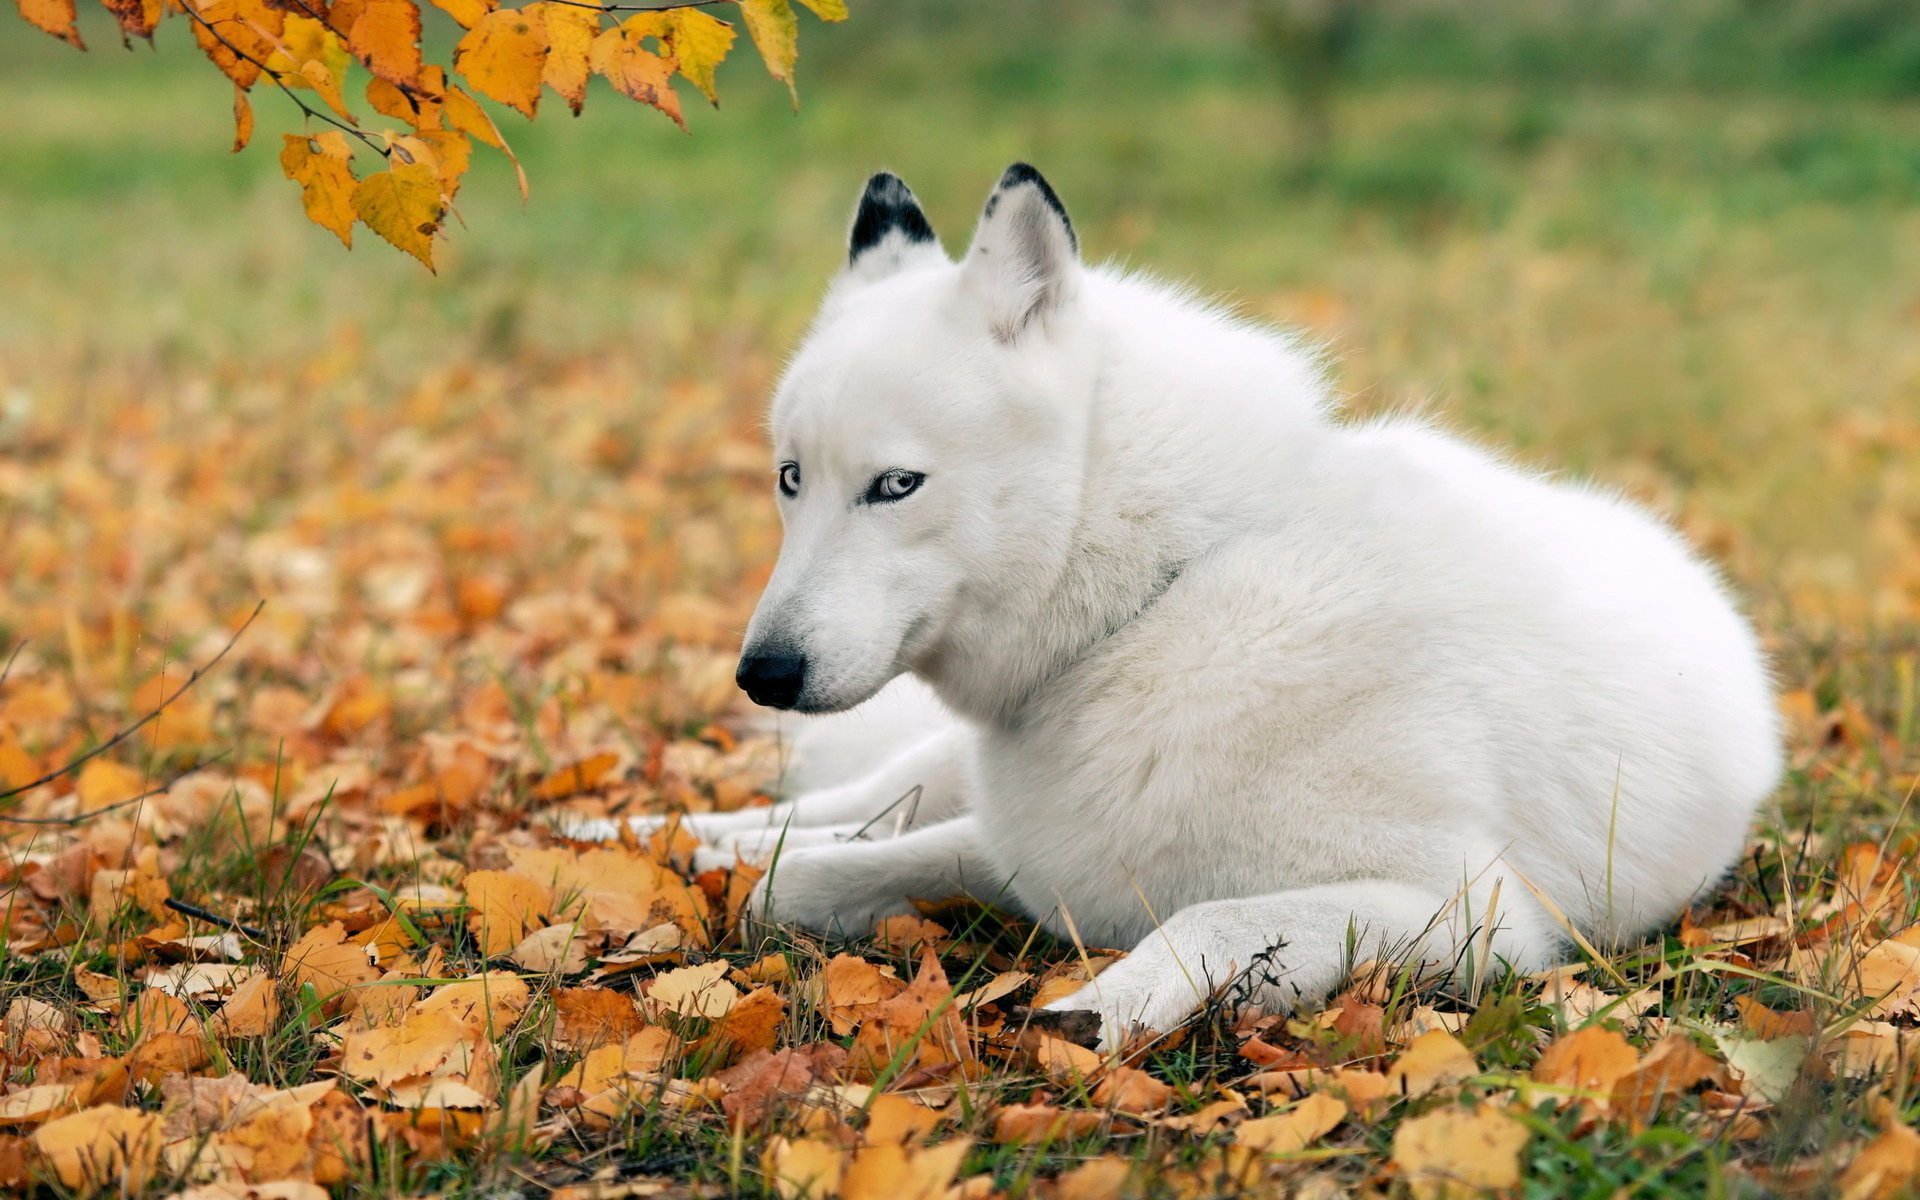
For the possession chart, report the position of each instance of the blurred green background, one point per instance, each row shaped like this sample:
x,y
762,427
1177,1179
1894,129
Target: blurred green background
x,y
1675,244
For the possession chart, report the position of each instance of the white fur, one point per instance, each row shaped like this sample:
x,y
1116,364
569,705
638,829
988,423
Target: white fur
x,y
1227,674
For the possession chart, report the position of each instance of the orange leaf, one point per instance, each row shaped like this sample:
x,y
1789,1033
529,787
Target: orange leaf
x,y
503,57
386,37
242,119
635,71
402,204
467,12
52,16
320,165
419,105
1294,1130
238,35
505,908
101,1148
1587,1062
571,780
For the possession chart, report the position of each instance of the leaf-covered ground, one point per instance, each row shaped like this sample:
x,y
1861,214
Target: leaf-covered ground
x,y
308,929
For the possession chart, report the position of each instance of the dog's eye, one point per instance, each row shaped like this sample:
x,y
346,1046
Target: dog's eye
x,y
893,485
790,479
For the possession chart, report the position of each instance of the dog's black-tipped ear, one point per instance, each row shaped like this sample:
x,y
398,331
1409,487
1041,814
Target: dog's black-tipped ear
x,y
889,229
1025,259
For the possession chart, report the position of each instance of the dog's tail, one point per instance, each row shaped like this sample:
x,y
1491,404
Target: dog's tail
x,y
820,752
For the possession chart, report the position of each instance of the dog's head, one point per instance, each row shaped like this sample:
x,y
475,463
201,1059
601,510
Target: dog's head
x,y
928,442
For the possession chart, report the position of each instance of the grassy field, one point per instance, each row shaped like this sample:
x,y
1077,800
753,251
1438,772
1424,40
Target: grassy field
x,y
507,521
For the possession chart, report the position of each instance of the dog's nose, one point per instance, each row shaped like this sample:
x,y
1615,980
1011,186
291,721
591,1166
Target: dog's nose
x,y
775,680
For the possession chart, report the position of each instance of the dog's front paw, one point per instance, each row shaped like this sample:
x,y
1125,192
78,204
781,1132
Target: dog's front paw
x,y
824,890
1133,997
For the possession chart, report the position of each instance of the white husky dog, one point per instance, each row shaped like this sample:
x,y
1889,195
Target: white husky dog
x,y
1219,676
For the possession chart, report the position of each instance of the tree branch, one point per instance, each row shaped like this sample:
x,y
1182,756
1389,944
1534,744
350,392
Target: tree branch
x,y
369,140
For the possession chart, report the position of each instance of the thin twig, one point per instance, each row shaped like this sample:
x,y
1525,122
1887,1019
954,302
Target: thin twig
x,y
8,669
214,918
74,764
117,804
639,8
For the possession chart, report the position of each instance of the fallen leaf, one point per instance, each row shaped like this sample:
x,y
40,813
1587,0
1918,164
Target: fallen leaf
x,y
1459,1152
1295,1129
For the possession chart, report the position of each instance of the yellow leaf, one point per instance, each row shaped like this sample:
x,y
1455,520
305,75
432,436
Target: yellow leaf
x,y
321,166
1294,1130
1457,1152
634,70
402,205
571,29
52,16
699,43
503,56
101,1148
776,34
386,37
467,12
827,10
1434,1060
303,40
323,80
452,153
